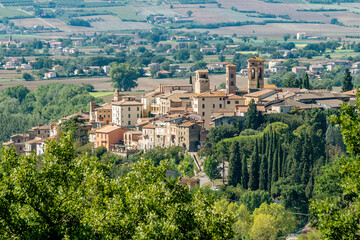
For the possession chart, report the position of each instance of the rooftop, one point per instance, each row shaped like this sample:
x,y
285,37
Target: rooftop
x,y
107,129
211,94
255,59
259,93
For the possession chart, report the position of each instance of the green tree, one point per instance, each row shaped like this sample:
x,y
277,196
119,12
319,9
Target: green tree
x,y
263,227
211,169
68,195
222,58
197,56
182,55
76,128
234,174
263,173
198,65
123,76
254,169
254,117
244,172
286,37
27,77
347,84
189,13
335,207
19,92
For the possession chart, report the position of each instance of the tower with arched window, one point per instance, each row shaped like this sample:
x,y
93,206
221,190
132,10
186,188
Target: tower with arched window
x,y
255,73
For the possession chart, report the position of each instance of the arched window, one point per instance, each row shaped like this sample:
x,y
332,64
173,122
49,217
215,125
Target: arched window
x,y
253,73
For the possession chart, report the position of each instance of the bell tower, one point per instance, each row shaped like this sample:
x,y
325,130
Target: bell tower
x,y
202,81
230,79
255,73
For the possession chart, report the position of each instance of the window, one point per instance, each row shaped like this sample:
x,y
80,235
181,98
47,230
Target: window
x,y
260,74
20,148
213,105
128,108
129,115
220,105
18,140
129,122
38,131
220,99
232,75
100,115
203,106
203,114
203,99
228,102
137,116
236,102
138,108
253,73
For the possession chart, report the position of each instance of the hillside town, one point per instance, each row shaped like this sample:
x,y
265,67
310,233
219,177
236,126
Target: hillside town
x,y
181,115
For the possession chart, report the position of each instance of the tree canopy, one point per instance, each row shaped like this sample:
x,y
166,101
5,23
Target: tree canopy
x,y
123,76
63,195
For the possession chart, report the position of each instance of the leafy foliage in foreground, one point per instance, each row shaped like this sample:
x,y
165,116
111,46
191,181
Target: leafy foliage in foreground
x,y
21,109
336,203
66,196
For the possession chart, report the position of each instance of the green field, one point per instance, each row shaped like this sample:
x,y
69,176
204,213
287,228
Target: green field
x,y
11,12
122,12
101,94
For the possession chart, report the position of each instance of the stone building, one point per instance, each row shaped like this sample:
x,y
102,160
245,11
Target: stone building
x,y
255,73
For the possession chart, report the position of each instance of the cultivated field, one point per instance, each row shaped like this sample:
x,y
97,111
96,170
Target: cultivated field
x,y
104,84
109,23
278,30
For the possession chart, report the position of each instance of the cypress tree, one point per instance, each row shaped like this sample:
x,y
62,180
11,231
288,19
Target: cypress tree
x,y
254,169
234,175
306,83
347,82
279,159
274,170
309,187
223,155
244,173
263,173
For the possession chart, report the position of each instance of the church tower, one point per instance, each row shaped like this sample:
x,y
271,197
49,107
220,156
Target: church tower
x,y
202,81
116,95
230,79
255,73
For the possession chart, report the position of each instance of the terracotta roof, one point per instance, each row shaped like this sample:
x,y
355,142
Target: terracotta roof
x,y
256,59
245,108
233,97
211,94
259,93
127,103
186,124
270,86
149,126
351,92
35,140
107,129
105,106
7,143
142,123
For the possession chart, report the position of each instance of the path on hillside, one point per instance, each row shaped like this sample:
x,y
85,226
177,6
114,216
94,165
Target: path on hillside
x,y
37,18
